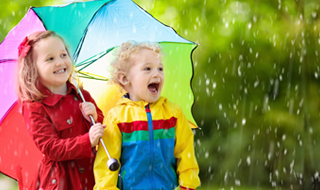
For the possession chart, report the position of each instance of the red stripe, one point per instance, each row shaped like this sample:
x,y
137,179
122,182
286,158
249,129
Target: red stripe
x,y
185,188
143,125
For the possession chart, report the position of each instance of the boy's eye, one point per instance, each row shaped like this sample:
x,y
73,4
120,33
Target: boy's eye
x,y
50,59
147,69
160,69
64,55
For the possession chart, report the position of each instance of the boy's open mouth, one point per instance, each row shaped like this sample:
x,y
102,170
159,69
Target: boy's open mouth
x,y
153,88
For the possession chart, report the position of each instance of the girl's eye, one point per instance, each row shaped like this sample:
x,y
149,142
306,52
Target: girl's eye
x,y
147,69
160,69
64,55
50,59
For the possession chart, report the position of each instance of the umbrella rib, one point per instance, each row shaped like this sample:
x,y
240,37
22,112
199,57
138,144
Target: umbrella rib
x,y
76,53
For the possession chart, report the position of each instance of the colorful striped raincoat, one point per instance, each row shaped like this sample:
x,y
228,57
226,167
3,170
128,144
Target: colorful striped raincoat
x,y
154,144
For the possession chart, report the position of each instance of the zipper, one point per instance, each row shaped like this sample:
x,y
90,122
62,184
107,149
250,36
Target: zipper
x,y
151,143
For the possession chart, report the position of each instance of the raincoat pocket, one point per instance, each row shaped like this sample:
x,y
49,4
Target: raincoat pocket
x,y
64,126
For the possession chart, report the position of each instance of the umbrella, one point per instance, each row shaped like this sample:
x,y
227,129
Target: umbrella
x,y
91,31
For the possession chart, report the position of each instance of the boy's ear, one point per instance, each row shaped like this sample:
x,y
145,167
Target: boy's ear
x,y
122,78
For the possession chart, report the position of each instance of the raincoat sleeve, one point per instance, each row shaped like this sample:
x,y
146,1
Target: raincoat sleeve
x,y
112,138
187,166
45,136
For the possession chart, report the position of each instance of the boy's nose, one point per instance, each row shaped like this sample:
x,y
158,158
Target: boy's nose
x,y
156,73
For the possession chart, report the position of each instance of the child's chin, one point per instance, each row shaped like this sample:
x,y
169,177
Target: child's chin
x,y
153,99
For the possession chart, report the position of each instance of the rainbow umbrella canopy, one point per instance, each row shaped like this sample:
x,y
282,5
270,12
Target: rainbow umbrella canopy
x,y
91,31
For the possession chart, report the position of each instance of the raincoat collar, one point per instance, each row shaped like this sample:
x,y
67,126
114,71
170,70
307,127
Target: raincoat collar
x,y
127,101
50,98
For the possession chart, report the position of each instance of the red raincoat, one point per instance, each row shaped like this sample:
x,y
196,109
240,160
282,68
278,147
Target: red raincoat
x,y
61,133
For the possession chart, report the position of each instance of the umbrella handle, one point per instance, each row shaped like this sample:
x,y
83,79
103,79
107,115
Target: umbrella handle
x,y
112,163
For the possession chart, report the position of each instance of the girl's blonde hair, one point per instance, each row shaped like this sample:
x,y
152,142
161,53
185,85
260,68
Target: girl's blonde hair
x,y
27,70
121,63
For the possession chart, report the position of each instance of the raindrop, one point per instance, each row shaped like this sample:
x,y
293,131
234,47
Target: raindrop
x,y
316,175
198,142
237,182
310,130
283,137
239,71
254,19
248,160
314,15
206,155
134,30
207,82
243,121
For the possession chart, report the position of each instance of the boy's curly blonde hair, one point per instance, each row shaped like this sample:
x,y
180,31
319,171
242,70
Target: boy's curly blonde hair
x,y
121,61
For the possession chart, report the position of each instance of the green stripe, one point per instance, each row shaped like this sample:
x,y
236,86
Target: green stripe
x,y
164,133
135,136
144,135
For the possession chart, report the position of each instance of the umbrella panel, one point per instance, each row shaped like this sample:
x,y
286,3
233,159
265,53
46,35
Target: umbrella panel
x,y
7,83
17,149
69,21
19,157
178,72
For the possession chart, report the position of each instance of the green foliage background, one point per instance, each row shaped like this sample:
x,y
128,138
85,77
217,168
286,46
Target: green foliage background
x,y
256,86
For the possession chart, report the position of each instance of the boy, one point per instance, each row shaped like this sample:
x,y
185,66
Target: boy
x,y
148,134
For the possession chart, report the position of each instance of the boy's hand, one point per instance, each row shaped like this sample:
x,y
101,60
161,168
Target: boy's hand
x,y
88,108
95,133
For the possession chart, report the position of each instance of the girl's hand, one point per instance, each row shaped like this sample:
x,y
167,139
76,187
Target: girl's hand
x,y
88,108
95,133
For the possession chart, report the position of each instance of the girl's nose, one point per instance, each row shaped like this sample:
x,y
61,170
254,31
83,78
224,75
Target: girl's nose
x,y
59,61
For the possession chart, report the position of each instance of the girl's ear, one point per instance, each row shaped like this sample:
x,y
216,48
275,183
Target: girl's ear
x,y
122,78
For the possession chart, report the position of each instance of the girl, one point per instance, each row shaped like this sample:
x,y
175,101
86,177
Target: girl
x,y
50,106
